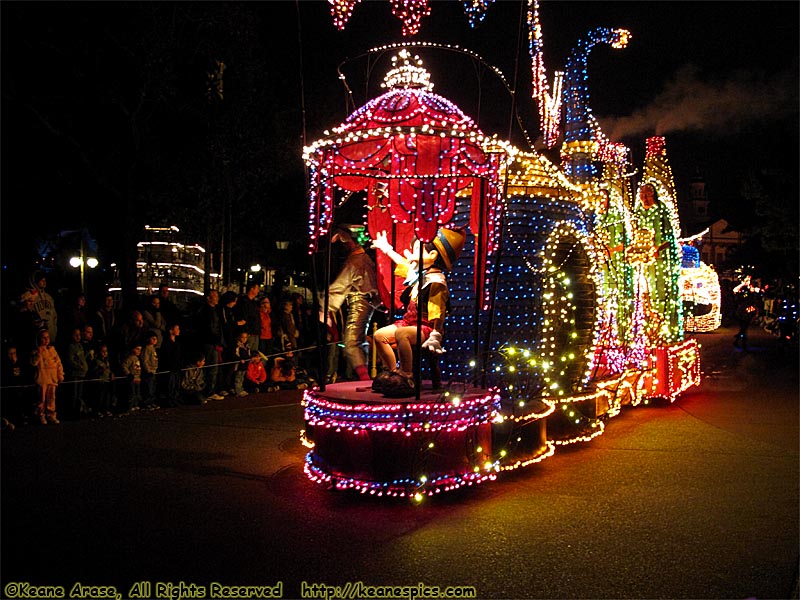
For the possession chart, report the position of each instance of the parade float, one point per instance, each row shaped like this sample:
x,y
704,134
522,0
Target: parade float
x,y
700,291
565,304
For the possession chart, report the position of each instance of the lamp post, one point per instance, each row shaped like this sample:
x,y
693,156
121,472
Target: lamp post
x,y
83,261
258,269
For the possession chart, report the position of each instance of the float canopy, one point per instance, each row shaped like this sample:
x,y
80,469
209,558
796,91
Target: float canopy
x,y
411,151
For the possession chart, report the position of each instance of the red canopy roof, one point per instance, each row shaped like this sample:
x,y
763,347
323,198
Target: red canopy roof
x,y
411,150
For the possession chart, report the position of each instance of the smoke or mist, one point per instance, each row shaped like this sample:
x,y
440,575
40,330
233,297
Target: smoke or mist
x,y
690,104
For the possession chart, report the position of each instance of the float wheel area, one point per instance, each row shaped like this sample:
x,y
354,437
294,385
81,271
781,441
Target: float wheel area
x,y
363,441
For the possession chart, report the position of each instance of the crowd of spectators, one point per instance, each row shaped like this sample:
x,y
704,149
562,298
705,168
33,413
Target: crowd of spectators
x,y
92,358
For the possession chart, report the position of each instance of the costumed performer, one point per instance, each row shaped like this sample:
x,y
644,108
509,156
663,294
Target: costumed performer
x,y
433,299
660,266
357,286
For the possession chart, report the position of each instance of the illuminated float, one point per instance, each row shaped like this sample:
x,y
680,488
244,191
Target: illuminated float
x,y
565,304
700,291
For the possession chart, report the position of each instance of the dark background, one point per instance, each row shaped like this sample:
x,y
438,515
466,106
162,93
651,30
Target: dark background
x,y
109,123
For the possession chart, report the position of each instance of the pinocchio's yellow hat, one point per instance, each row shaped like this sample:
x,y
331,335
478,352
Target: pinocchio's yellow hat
x,y
449,243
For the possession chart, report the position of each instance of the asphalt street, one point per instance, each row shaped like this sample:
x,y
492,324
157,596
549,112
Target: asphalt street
x,y
695,499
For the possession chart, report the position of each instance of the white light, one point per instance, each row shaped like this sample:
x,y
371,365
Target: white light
x,y
75,261
92,262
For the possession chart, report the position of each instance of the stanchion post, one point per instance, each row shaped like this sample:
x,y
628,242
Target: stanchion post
x,y
374,370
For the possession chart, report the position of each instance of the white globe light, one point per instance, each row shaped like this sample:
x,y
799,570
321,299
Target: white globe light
x,y
75,261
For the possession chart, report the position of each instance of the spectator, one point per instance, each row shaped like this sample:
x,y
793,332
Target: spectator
x,y
26,327
106,319
285,330
209,331
265,336
231,327
285,375
43,304
727,302
16,381
170,361
242,355
149,362
247,310
304,321
193,385
104,398
75,316
131,368
747,310
90,345
126,335
49,373
256,374
75,370
154,319
168,308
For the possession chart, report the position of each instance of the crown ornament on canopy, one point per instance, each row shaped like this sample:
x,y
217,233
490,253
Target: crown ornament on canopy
x,y
407,72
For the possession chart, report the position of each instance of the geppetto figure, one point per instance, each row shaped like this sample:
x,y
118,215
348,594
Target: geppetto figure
x,y
433,300
356,287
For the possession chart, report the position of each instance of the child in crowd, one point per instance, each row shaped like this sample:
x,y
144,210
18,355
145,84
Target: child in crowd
x,y
242,355
100,370
131,368
256,374
49,373
285,374
149,360
75,370
193,382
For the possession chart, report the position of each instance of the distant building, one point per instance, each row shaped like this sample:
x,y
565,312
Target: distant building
x,y
163,258
697,216
718,243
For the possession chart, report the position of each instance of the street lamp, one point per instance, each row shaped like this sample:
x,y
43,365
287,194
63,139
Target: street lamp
x,y
82,262
257,268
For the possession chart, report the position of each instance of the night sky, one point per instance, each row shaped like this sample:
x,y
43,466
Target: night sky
x,y
106,123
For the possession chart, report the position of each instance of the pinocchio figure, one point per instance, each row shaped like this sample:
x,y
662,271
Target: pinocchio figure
x,y
432,300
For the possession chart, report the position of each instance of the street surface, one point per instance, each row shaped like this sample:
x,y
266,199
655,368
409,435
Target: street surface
x,y
697,499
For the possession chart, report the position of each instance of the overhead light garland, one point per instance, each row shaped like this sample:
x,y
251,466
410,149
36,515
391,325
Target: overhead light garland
x,y
342,10
476,10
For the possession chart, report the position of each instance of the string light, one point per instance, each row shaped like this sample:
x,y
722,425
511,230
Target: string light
x,y
549,104
476,10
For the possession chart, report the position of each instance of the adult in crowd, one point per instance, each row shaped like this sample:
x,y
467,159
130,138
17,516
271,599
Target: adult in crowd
x,y
169,309
130,332
106,319
154,319
247,310
209,333
43,304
